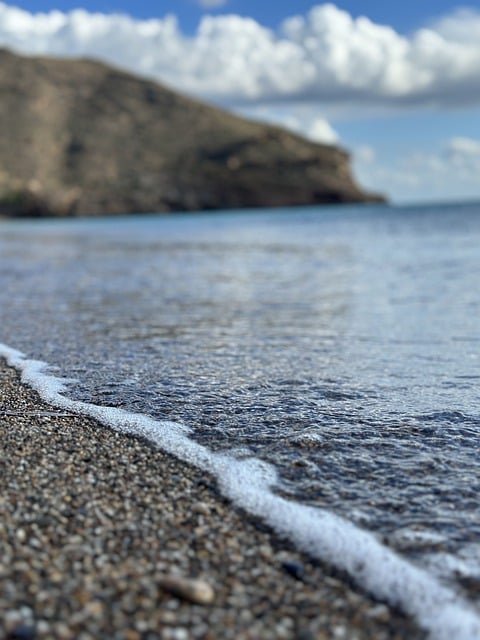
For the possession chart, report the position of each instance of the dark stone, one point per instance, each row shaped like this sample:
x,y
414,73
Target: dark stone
x,y
295,569
22,632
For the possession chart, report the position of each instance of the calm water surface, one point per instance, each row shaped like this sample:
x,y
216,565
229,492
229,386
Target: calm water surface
x,y
340,344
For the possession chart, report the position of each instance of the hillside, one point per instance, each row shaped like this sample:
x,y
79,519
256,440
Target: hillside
x,y
82,138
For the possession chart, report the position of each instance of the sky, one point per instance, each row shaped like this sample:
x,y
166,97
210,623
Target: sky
x,y
396,84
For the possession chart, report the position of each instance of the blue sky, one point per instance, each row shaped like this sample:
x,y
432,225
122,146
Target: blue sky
x,y
403,16
398,84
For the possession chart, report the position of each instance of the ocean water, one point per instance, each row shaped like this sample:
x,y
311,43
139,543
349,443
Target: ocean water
x,y
331,353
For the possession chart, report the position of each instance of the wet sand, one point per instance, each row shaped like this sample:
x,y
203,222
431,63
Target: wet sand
x,y
97,527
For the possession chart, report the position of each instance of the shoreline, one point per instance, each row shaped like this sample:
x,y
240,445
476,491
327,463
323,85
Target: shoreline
x,y
94,522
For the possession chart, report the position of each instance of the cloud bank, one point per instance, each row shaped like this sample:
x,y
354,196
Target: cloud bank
x,y
324,57
449,171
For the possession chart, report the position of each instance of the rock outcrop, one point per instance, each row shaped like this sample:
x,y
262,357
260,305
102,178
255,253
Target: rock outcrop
x,y
81,138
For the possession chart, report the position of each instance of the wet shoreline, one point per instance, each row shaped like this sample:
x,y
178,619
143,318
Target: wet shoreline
x,y
95,524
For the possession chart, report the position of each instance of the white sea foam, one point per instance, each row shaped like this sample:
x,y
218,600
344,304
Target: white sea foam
x,y
464,564
248,482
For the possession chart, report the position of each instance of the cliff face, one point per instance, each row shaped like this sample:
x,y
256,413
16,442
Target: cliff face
x,y
81,138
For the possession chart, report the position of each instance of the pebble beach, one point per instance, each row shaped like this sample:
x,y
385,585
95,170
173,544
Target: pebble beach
x,y
105,537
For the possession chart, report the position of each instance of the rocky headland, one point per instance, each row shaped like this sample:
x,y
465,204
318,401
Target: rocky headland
x,y
82,138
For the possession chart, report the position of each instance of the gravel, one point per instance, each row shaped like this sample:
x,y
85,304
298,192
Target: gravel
x,y
105,537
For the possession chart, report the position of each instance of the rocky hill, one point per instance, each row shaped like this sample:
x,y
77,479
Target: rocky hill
x,y
81,138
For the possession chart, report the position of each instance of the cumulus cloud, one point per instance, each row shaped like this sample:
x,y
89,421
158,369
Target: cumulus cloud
x,y
462,25
304,120
325,56
320,130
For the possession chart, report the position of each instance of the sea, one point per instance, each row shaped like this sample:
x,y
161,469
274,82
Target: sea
x,y
321,363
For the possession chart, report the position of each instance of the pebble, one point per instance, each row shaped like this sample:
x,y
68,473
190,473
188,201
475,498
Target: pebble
x,y
22,632
295,569
202,508
380,612
21,535
191,589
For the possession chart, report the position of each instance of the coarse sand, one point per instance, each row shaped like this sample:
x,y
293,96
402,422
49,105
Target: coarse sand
x,y
104,537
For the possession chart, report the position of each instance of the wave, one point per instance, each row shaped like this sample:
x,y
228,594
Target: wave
x,y
250,483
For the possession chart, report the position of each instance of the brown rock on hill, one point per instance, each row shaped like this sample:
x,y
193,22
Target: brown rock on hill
x,y
81,138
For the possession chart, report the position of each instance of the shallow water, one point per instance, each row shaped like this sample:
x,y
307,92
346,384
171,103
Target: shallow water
x,y
340,344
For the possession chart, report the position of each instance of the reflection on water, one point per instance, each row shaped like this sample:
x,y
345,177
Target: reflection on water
x,y
342,345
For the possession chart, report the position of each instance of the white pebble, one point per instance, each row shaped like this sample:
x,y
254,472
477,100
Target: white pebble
x,y
191,589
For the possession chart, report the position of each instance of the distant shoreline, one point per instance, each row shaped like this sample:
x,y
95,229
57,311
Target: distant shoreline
x,y
402,206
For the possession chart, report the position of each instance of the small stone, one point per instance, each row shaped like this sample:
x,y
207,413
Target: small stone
x,y
190,589
295,569
11,620
168,617
142,626
26,613
94,609
56,577
202,508
265,551
21,535
379,612
43,628
63,632
200,532
304,634
82,596
23,632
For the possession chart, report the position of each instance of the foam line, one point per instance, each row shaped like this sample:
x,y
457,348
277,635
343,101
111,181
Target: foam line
x,y
436,607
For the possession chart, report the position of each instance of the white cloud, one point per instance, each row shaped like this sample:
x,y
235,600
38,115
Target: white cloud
x,y
323,57
451,171
212,4
303,120
465,147
463,154
322,131
365,154
463,25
